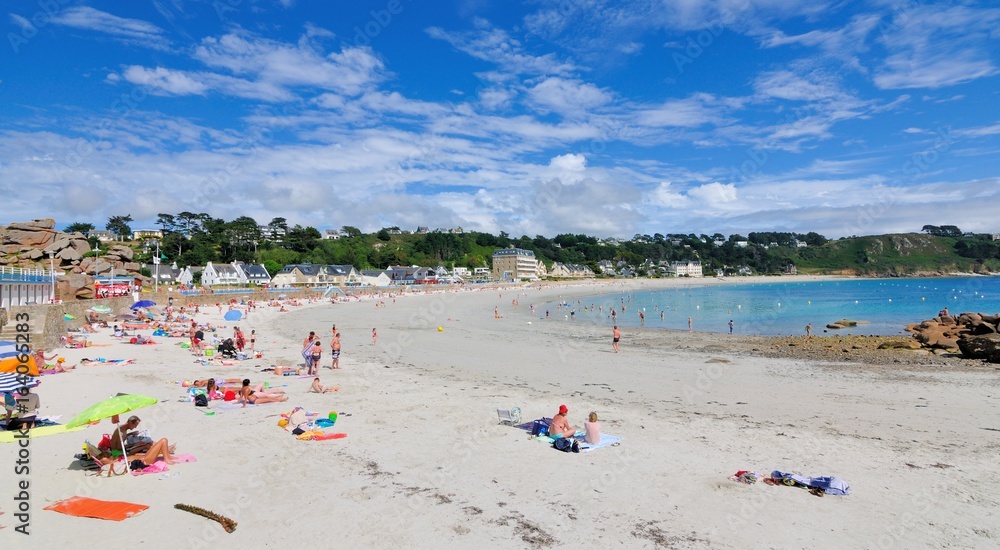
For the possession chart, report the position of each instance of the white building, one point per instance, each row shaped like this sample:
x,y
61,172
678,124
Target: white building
x,y
222,274
375,277
686,269
514,264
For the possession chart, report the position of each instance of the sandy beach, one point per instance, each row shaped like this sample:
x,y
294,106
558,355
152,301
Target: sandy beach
x,y
426,464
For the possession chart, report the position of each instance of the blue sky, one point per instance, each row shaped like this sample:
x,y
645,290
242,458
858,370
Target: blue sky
x,y
535,117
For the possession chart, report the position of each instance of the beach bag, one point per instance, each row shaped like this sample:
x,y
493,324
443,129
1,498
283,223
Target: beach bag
x,y
563,444
105,443
539,428
201,400
229,396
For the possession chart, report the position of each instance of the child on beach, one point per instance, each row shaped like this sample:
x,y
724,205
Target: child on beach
x,y
316,387
374,337
593,429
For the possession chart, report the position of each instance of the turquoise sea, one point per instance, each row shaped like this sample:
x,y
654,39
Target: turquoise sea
x,y
782,308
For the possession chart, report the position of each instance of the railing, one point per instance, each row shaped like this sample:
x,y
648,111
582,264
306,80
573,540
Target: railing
x,y
23,275
198,292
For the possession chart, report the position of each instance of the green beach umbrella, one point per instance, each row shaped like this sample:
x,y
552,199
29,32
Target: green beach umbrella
x,y
119,404
110,408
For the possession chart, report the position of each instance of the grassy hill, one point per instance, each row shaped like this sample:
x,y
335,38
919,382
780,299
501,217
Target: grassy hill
x,y
889,255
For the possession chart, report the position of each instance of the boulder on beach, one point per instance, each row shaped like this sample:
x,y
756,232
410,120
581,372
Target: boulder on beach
x,y
986,348
844,323
948,332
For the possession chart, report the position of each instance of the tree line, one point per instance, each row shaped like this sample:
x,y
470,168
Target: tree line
x,y
191,238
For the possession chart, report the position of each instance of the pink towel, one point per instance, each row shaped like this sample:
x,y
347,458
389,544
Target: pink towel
x,y
160,466
157,467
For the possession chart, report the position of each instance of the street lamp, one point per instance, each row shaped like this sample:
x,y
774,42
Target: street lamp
x,y
156,268
52,274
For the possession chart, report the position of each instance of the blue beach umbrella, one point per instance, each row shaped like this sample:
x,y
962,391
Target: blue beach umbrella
x,y
233,315
10,382
143,304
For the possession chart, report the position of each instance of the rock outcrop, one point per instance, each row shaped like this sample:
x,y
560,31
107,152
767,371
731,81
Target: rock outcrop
x,y
968,331
845,323
37,244
986,348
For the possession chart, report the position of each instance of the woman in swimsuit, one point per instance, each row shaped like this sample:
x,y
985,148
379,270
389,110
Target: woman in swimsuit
x,y
161,447
248,395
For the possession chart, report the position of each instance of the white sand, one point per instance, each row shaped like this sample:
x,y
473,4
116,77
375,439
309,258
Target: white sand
x,y
425,463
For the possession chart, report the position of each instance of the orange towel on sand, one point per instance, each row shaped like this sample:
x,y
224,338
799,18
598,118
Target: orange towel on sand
x,y
92,508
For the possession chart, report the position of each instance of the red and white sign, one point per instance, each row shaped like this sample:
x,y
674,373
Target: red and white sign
x,y
108,290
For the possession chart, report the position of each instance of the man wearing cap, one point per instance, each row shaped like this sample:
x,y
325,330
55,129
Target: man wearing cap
x,y
559,427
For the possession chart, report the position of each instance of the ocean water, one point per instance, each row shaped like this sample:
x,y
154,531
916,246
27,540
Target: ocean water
x,y
777,308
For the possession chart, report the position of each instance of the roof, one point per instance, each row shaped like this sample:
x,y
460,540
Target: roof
x,y
513,252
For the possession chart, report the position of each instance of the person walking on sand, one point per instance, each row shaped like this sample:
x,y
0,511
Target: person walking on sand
x,y
809,330
731,324
335,351
616,335
374,337
690,325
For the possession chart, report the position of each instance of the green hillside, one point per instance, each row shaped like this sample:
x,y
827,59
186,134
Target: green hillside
x,y
888,255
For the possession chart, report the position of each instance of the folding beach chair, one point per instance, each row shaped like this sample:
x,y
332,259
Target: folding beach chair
x,y
509,417
99,467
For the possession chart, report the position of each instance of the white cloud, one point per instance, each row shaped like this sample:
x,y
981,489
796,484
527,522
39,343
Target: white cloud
x,y
132,31
349,71
567,96
690,112
932,70
934,45
493,45
715,194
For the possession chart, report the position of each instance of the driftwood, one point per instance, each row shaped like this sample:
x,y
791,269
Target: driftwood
x,y
228,524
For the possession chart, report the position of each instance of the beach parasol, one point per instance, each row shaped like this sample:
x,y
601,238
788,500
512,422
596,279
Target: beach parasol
x,y
111,408
233,315
68,317
10,382
143,303
101,309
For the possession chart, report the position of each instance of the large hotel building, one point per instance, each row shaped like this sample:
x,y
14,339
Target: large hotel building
x,y
514,264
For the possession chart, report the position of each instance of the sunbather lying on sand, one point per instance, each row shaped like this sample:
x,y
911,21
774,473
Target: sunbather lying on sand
x,y
103,361
258,397
282,370
161,447
213,381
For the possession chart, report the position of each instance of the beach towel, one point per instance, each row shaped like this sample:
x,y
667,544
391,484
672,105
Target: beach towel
x,y
160,466
8,437
829,485
528,425
606,441
92,508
